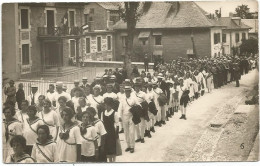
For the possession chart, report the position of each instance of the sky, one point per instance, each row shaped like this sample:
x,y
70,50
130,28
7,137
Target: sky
x,y
227,6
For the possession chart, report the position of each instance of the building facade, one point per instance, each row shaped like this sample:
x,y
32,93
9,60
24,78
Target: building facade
x,y
47,35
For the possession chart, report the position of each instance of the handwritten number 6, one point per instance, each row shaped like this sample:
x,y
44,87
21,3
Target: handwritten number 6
x,y
242,146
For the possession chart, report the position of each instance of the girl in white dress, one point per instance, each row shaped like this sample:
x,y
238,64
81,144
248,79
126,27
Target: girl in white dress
x,y
89,146
18,143
10,128
30,128
61,105
97,101
45,150
21,115
50,118
75,98
69,140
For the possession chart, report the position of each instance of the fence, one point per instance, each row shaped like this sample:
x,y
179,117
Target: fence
x,y
43,82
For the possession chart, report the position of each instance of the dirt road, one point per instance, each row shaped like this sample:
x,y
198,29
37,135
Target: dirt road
x,y
176,140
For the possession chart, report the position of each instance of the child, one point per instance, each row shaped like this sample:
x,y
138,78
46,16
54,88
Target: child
x,y
44,150
20,95
18,143
111,120
89,138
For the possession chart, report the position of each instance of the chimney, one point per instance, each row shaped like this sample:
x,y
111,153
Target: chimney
x,y
231,14
237,20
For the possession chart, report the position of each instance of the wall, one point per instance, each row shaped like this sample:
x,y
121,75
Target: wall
x,y
10,45
233,37
215,48
175,43
104,54
99,16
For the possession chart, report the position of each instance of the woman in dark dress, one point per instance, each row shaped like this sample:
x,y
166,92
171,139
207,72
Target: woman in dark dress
x,y
111,121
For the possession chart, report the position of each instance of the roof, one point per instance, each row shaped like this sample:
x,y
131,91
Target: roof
x,y
253,23
228,23
181,14
109,5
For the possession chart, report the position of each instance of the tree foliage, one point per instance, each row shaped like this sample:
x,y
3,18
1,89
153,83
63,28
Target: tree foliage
x,y
243,12
249,46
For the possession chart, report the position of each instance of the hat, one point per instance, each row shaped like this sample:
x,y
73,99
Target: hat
x,y
105,76
84,78
128,88
180,78
59,83
127,80
76,81
97,87
112,77
160,75
98,78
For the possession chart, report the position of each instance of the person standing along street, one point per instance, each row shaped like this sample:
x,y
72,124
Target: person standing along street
x,y
20,95
10,92
146,62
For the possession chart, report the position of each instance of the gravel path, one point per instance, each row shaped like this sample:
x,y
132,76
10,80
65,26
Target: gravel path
x,y
175,141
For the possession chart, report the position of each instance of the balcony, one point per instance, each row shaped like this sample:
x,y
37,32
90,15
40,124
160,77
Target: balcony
x,y
59,31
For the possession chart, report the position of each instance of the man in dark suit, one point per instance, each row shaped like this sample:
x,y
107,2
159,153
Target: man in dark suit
x,y
163,85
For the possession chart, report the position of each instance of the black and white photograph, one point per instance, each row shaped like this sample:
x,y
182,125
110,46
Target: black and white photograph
x,y
130,81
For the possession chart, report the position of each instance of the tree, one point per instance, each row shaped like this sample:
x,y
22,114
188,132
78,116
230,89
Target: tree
x,y
130,15
249,46
243,12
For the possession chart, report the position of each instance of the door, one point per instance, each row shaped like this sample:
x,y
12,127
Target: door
x,y
50,22
52,54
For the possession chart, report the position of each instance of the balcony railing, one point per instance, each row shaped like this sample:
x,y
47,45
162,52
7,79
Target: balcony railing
x,y
59,31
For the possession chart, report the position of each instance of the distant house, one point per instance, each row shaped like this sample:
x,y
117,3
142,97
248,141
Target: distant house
x,y
253,23
98,38
168,28
233,32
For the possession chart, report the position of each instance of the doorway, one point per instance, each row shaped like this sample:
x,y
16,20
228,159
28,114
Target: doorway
x,y
52,55
50,22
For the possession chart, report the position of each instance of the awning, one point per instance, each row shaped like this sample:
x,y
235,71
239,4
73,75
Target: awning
x,y
157,33
123,34
144,34
157,52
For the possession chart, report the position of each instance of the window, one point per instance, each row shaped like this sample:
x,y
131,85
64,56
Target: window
x,y
87,45
158,40
224,38
216,38
98,44
143,41
25,54
243,36
86,18
24,18
72,48
108,42
237,37
71,18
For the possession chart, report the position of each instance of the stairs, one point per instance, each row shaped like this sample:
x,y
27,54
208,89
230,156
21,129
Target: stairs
x,y
60,72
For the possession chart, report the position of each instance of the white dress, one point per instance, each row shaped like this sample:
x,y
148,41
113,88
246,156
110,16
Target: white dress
x,y
68,148
14,128
23,159
51,120
21,117
95,101
45,153
30,130
88,146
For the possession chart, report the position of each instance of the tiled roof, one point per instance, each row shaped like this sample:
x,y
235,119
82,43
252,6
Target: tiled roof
x,y
109,5
169,15
253,23
228,23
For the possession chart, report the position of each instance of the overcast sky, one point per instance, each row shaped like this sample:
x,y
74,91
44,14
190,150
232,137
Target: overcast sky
x,y
227,6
